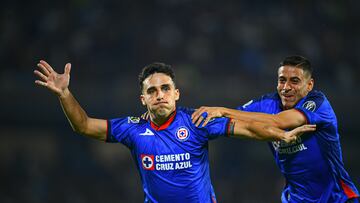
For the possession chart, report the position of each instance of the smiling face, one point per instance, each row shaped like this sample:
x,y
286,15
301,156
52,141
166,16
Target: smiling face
x,y
293,84
159,95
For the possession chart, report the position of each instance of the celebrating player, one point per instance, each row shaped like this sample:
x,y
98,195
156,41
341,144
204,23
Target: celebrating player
x,y
312,166
170,152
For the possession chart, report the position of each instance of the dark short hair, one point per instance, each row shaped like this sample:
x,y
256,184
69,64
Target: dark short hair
x,y
155,68
299,62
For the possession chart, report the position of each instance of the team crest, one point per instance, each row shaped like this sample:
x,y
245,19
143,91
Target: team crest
x,y
310,105
147,161
182,134
132,119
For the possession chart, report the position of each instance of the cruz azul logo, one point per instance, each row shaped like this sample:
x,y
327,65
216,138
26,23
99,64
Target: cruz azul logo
x,y
182,134
166,162
147,161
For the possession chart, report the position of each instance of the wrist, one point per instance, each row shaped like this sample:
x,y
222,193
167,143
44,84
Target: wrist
x,y
224,112
65,93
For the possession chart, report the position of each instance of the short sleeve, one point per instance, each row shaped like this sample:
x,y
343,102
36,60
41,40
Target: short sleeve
x,y
320,116
119,130
217,127
317,110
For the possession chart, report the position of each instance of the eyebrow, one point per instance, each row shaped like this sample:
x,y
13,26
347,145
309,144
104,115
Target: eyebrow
x,y
166,85
280,77
163,85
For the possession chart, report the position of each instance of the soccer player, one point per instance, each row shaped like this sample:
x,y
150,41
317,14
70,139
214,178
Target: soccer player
x,y
312,166
170,152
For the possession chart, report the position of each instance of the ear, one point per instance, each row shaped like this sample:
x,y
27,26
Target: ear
x,y
177,94
310,84
142,99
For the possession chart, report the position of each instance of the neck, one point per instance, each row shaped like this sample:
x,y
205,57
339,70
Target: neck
x,y
160,120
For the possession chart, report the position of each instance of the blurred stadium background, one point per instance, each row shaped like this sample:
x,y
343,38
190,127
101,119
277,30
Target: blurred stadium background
x,y
224,53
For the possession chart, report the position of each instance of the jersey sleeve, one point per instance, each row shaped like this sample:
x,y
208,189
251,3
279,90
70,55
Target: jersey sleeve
x,y
217,127
119,130
317,110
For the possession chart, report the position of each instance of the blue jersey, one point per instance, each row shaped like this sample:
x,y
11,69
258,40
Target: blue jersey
x,y
313,166
172,159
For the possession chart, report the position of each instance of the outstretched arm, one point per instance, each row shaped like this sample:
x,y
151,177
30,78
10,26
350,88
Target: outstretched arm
x,y
77,117
262,131
284,120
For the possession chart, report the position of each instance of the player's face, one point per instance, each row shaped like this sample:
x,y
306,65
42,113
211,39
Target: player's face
x,y
159,95
293,85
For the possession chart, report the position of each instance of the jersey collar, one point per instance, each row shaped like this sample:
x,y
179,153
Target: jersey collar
x,y
165,125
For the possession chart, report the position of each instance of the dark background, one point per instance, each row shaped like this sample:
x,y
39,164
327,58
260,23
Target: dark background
x,y
224,53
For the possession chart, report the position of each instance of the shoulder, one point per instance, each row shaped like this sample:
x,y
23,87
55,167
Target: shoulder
x,y
315,94
314,100
127,121
255,104
185,111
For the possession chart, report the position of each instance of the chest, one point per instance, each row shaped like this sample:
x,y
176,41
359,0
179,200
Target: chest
x,y
176,140
168,150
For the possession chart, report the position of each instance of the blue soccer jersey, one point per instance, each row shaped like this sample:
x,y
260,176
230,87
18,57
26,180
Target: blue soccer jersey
x,y
173,158
313,166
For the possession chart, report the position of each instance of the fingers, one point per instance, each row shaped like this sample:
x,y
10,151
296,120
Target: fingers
x,y
41,83
293,135
203,118
199,120
67,69
206,121
44,70
40,75
196,114
47,66
307,128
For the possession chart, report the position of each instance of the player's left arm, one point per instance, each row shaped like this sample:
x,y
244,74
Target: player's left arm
x,y
284,120
262,131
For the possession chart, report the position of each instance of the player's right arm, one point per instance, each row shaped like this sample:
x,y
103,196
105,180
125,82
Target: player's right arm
x,y
263,131
77,117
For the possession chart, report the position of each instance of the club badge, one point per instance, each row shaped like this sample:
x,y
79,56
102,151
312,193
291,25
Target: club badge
x,y
147,161
182,134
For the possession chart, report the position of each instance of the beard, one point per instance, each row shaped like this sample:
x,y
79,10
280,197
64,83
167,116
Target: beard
x,y
162,112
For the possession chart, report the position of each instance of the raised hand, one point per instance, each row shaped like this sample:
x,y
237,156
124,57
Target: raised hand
x,y
291,136
52,80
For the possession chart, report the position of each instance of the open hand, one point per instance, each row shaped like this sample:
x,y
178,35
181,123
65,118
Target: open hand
x,y
52,80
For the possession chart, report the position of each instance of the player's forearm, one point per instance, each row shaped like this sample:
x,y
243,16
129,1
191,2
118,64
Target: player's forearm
x,y
262,131
268,119
76,116
255,130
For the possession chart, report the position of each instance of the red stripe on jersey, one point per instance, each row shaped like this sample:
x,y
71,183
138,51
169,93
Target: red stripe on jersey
x,y
347,190
213,199
107,130
165,125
